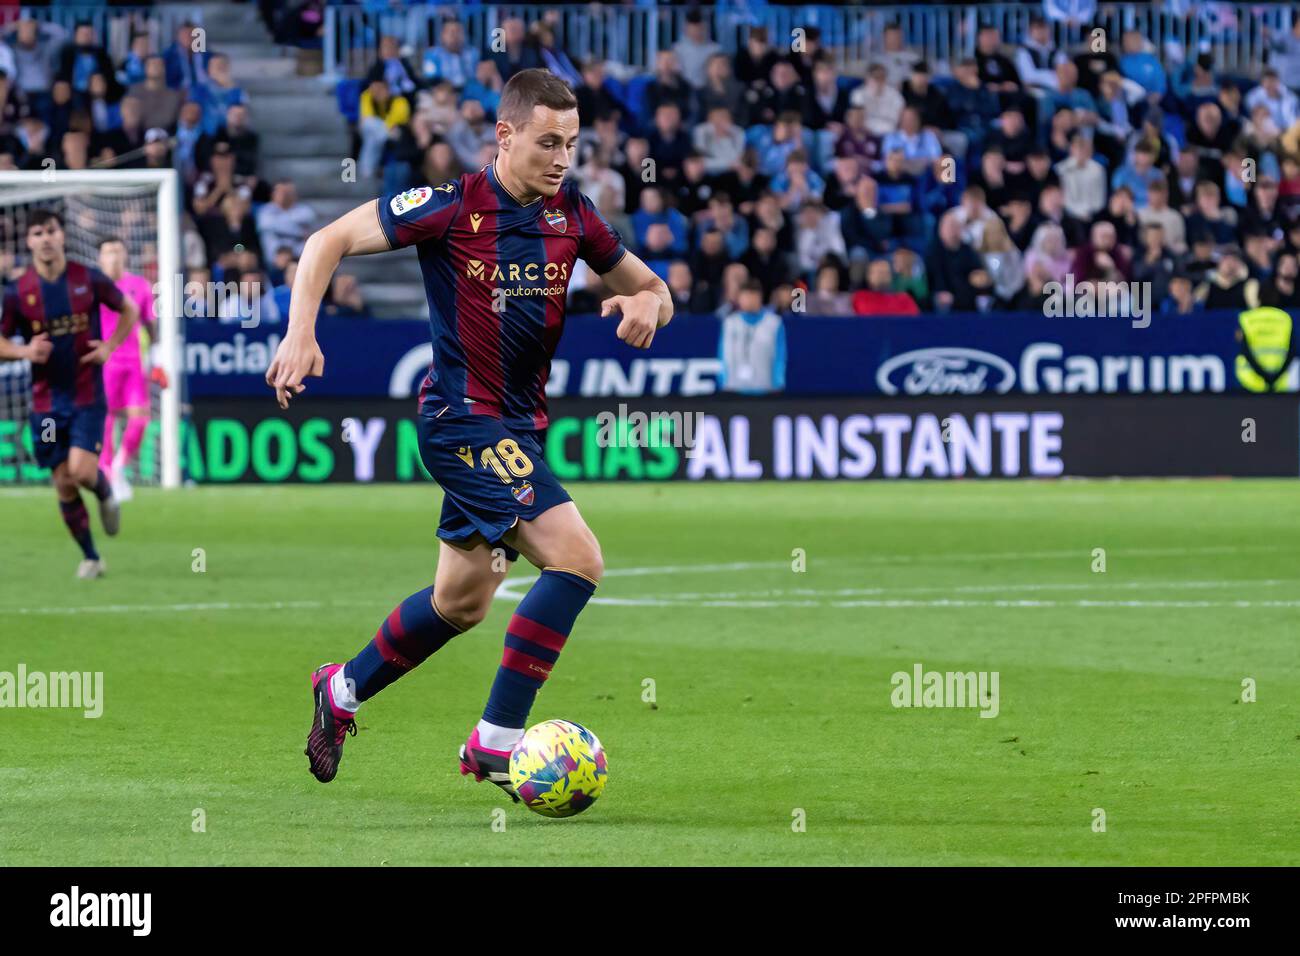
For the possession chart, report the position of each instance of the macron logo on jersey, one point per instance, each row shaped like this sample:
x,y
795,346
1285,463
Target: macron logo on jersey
x,y
411,199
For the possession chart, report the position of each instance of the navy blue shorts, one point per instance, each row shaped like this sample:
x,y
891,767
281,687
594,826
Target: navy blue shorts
x,y
492,476
78,428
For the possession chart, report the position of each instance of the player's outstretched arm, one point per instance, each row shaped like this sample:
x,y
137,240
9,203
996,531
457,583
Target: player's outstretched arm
x,y
641,296
356,233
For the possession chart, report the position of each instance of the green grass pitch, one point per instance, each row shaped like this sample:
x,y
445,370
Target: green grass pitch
x,y
1119,691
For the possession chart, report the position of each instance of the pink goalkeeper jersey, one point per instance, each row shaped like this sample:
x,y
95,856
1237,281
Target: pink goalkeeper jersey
x,y
138,289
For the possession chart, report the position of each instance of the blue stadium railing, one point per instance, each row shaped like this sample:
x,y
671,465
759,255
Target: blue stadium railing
x,y
114,25
630,35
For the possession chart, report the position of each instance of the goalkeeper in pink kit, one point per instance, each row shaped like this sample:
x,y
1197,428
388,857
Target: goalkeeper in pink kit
x,y
126,384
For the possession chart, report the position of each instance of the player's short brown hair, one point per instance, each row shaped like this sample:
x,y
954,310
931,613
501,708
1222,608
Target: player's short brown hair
x,y
530,88
43,217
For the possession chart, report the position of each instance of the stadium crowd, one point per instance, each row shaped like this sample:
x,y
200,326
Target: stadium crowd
x,y
916,187
66,104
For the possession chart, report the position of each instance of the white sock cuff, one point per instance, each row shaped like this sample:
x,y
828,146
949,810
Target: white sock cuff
x,y
342,692
498,738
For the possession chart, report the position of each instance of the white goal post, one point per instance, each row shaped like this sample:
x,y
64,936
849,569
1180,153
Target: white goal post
x,y
63,189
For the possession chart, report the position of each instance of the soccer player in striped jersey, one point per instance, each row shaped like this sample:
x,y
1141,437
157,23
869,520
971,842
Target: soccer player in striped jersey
x,y
496,249
55,307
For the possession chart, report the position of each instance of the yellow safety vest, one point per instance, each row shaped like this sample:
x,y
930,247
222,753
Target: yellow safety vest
x,y
1266,349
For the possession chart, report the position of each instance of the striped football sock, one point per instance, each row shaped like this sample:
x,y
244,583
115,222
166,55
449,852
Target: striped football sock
x,y
534,639
409,635
78,522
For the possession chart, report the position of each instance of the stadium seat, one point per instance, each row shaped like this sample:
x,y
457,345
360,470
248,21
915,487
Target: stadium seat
x,y
1174,126
634,95
348,92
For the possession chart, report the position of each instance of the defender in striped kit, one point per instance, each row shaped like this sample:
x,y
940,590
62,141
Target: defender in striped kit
x,y
497,249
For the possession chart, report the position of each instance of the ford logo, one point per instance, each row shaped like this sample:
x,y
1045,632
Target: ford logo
x,y
945,371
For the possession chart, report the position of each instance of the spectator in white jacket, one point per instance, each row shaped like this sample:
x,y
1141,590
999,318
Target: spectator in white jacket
x,y
1281,102
818,236
881,104
720,141
285,221
1083,180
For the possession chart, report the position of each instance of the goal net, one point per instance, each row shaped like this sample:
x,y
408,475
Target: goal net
x,y
140,207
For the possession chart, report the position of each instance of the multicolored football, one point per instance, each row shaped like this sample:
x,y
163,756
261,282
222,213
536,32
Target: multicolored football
x,y
558,768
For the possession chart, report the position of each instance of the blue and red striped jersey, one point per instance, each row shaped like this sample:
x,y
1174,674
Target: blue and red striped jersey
x,y
496,273
67,309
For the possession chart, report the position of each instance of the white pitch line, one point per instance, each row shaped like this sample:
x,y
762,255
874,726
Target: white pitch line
x,y
164,608
1060,604
514,589
891,559
695,568
1072,554
717,602
970,589
943,603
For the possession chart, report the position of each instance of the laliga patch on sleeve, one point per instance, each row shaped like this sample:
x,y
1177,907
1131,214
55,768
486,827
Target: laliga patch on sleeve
x,y
411,199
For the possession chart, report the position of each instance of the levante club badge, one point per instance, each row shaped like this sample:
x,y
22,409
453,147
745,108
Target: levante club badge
x,y
556,219
524,493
